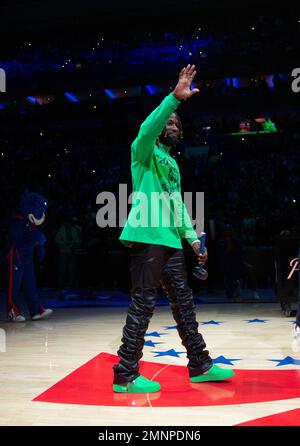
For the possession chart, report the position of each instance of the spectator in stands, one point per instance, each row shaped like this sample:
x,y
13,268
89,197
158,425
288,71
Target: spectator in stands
x,y
67,240
230,258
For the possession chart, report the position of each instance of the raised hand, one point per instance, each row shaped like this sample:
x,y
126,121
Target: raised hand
x,y
183,90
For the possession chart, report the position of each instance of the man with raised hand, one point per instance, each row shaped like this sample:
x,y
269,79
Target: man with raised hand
x,y
156,249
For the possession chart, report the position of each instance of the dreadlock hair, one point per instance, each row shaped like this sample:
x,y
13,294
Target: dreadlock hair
x,y
179,124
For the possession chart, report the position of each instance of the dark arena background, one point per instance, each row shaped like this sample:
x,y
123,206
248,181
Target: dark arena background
x,y
77,80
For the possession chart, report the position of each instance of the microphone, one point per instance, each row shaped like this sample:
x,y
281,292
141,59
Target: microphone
x,y
199,271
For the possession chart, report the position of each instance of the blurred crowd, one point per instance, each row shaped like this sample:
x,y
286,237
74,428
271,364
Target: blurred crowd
x,y
268,41
251,183
70,152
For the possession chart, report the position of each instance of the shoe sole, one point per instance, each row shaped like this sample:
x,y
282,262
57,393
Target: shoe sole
x,y
46,316
208,378
124,389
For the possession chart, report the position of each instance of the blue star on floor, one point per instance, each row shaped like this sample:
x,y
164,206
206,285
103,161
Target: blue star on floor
x,y
171,352
211,323
254,321
286,361
223,360
155,334
152,344
170,327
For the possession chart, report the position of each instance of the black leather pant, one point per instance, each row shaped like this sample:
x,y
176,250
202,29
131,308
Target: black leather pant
x,y
150,266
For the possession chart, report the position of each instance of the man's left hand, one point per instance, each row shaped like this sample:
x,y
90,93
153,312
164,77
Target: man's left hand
x,y
202,258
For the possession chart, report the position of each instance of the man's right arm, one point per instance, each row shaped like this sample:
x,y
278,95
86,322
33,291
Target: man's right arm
x,y
143,146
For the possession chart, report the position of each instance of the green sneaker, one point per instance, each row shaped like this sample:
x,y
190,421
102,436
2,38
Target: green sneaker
x,y
139,385
215,373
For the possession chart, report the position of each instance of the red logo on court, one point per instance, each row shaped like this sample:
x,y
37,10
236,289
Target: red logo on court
x,y
91,384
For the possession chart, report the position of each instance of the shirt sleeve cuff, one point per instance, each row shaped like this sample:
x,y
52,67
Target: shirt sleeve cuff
x,y
175,101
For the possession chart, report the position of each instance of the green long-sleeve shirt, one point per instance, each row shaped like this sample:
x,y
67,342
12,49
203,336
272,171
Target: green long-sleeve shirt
x,y
152,218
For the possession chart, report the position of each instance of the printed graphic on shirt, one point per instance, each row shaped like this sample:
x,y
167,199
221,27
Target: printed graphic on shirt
x,y
170,182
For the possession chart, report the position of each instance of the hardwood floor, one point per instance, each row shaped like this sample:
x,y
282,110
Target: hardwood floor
x,y
39,355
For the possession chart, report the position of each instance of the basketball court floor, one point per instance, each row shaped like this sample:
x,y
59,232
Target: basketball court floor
x,y
59,371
